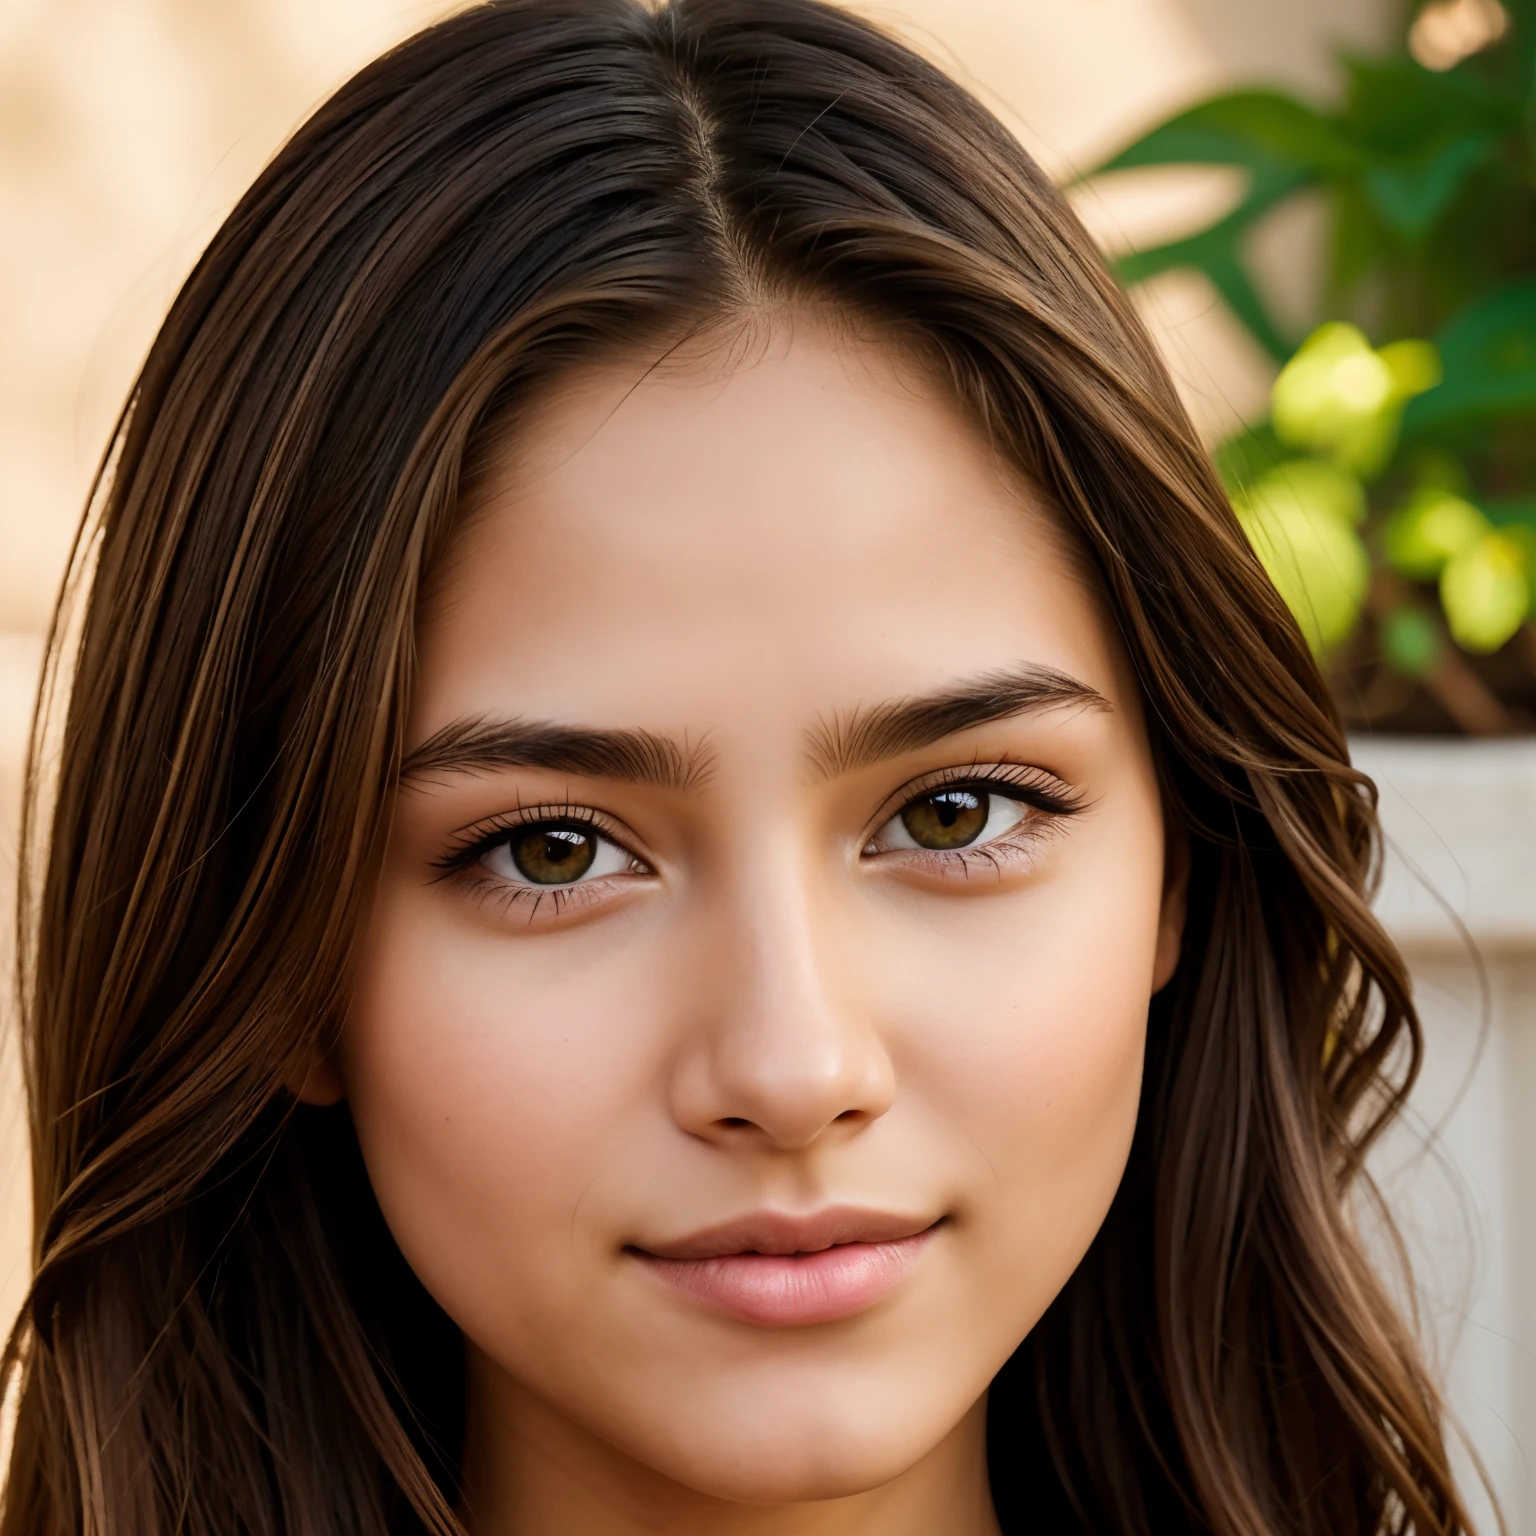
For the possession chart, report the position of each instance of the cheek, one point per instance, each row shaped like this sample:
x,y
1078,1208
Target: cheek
x,y
488,1086
1024,1025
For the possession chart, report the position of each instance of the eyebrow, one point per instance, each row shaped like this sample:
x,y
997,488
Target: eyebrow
x,y
487,745
858,738
872,733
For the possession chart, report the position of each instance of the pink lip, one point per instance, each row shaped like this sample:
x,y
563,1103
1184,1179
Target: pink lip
x,y
780,1271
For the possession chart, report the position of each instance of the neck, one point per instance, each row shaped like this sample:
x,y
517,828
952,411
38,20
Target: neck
x,y
530,1471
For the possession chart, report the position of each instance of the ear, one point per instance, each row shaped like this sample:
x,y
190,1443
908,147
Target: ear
x,y
1170,922
319,1084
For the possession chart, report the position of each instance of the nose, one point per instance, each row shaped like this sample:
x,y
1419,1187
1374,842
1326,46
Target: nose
x,y
780,1053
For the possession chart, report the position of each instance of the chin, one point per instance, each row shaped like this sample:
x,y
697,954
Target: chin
x,y
766,1472
764,1451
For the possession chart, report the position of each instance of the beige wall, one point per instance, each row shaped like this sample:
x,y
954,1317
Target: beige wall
x,y
128,127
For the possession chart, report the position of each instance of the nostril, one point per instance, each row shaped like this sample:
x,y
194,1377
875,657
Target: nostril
x,y
735,1122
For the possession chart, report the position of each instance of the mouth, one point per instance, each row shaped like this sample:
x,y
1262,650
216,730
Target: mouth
x,y
776,1270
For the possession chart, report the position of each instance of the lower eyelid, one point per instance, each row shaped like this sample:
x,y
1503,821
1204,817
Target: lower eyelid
x,y
491,889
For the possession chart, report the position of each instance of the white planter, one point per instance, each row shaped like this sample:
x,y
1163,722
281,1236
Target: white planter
x,y
1459,896
1461,817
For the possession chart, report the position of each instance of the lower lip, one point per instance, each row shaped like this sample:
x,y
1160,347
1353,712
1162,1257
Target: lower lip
x,y
793,1290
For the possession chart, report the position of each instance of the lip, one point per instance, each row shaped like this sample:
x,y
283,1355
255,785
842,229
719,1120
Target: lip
x,y
778,1270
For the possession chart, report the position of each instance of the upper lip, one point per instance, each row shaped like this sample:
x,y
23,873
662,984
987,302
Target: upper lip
x,y
782,1232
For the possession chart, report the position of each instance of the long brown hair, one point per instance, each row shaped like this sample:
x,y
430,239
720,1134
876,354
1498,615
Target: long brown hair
x,y
220,1335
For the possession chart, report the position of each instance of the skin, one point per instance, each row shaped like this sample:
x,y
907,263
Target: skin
x,y
776,1007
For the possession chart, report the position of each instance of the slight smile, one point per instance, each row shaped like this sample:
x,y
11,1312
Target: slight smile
x,y
775,1270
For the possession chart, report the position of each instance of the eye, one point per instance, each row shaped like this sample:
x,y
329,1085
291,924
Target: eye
x,y
954,817
554,853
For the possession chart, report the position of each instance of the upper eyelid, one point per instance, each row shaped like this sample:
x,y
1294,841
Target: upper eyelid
x,y
521,815
973,773
468,841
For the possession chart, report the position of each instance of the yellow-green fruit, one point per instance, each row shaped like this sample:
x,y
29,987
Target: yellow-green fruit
x,y
1334,374
1338,395
1414,366
1433,528
1486,593
1313,484
1317,563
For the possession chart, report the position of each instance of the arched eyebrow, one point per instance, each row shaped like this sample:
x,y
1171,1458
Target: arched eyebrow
x,y
488,745
872,733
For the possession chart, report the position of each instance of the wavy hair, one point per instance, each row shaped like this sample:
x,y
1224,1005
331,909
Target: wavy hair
x,y
220,1335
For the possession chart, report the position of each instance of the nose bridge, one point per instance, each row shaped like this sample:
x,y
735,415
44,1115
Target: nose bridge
x,y
782,1047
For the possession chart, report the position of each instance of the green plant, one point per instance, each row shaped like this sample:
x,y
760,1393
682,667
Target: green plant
x,y
1392,490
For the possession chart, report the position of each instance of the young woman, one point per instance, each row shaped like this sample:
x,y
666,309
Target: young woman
x,y
681,875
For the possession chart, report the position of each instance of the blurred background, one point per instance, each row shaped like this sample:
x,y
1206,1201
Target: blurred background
x,y
1327,211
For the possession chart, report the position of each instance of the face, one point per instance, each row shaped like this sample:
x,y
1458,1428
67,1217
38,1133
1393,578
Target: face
x,y
749,1031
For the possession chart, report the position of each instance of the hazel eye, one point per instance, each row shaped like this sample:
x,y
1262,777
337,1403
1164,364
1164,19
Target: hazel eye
x,y
950,818
957,816
551,853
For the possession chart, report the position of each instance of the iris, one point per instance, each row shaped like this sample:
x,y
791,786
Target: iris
x,y
947,818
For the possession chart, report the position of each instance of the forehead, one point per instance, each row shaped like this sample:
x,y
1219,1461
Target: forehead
x,y
813,524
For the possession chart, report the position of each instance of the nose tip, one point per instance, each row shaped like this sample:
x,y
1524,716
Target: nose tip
x,y
794,1122
783,1064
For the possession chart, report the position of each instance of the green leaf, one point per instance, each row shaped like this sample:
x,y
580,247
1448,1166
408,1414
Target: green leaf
x,y
1359,240
1261,130
1410,640
1395,108
1429,175
1512,512
1433,469
1411,195
1486,593
1488,353
1217,252
1283,143
1515,58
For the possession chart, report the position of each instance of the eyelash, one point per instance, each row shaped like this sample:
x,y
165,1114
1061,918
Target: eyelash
x,y
1043,792
475,842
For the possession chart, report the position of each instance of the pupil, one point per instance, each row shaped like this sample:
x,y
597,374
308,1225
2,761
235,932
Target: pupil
x,y
553,855
949,818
